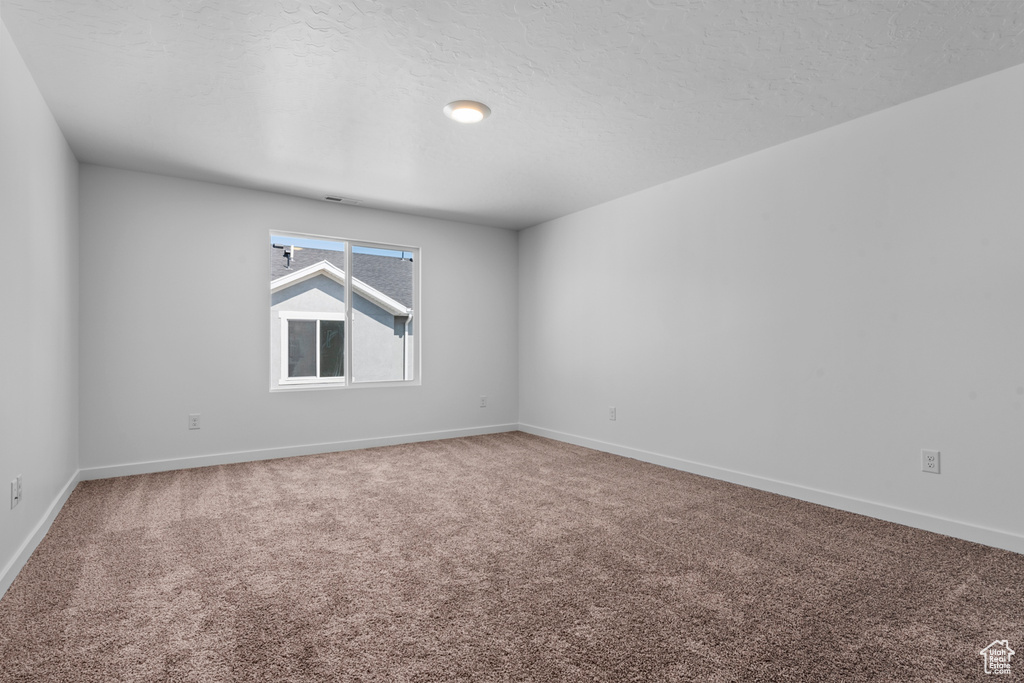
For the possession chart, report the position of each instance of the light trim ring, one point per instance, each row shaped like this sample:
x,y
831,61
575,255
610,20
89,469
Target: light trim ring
x,y
467,111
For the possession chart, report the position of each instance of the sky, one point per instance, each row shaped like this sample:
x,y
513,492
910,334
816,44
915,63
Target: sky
x,y
332,245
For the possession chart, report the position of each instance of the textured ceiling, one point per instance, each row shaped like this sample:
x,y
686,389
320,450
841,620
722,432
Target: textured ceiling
x,y
592,99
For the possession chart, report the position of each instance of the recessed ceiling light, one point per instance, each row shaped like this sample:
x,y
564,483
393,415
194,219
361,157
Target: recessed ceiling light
x,y
466,111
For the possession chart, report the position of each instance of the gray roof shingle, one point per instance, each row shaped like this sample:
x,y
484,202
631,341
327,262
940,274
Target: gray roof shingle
x,y
387,274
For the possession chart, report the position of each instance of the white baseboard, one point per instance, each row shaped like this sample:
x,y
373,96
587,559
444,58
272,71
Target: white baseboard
x,y
969,532
940,525
147,467
8,573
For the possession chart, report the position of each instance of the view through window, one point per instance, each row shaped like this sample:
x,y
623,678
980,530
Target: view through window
x,y
342,312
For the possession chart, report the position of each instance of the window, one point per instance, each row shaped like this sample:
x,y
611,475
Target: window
x,y
343,313
313,347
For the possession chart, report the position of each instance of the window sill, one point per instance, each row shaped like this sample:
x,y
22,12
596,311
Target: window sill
x,y
321,386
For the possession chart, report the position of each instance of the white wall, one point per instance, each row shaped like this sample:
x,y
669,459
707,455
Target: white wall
x,y
807,318
174,321
39,339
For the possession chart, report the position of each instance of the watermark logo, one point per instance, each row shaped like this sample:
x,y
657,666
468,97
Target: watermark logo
x,y
997,657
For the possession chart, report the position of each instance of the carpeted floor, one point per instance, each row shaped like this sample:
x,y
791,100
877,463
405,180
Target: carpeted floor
x,y
493,558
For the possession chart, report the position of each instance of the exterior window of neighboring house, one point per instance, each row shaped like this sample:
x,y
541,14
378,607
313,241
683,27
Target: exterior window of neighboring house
x,y
343,313
313,346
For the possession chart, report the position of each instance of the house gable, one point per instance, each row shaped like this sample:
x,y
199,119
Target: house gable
x,y
331,271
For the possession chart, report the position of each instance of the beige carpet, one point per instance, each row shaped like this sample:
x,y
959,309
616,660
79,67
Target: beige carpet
x,y
492,558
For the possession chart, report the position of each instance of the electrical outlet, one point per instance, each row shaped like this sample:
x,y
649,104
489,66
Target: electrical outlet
x,y
930,461
15,491
483,401
611,413
193,421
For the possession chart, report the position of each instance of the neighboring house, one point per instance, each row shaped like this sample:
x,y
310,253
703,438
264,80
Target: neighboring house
x,y
308,317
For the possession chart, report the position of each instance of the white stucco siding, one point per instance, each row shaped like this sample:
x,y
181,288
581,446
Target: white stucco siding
x,y
319,293
378,353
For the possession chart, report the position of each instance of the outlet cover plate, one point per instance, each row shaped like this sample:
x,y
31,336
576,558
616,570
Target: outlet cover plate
x,y
930,461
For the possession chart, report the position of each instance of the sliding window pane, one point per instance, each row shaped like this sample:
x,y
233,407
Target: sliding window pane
x,y
302,348
382,314
307,281
332,348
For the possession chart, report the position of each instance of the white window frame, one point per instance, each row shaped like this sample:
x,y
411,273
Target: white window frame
x,y
286,317
413,354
